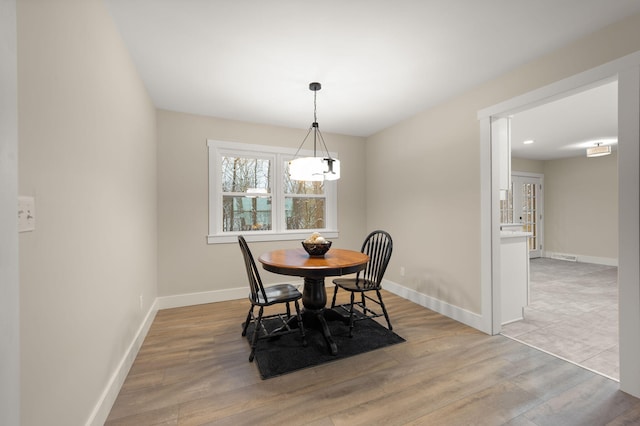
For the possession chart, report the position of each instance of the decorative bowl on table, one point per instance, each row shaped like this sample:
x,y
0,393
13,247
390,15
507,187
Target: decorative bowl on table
x,y
316,249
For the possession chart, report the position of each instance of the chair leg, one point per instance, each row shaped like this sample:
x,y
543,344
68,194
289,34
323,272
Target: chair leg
x,y
335,293
351,321
300,324
384,310
254,340
288,311
246,323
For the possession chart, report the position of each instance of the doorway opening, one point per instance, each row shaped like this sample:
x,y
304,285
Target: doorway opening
x,y
571,309
627,72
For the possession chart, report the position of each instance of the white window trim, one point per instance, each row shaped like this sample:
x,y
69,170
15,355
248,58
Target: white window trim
x,y
279,232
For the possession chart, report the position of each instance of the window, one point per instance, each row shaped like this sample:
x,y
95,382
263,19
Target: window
x,y
250,193
506,205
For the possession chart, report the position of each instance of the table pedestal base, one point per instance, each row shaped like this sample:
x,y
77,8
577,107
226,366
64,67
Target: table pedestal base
x,y
314,315
317,319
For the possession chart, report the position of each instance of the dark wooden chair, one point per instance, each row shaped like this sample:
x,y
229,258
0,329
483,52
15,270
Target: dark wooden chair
x,y
378,246
266,296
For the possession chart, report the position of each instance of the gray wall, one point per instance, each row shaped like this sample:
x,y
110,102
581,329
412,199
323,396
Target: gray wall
x,y
9,284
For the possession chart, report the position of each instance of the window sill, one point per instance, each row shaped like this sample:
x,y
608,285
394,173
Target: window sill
x,y
256,236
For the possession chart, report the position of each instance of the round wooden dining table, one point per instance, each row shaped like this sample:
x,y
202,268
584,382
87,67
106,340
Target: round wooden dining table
x,y
314,269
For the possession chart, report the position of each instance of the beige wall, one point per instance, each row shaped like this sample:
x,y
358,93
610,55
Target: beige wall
x,y
581,206
579,193
526,165
87,149
429,198
187,264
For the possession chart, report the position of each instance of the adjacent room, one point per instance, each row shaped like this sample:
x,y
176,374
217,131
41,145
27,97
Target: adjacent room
x,y
567,198
124,281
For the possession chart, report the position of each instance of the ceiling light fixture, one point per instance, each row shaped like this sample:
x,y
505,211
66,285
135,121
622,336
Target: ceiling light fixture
x,y
599,150
528,142
314,168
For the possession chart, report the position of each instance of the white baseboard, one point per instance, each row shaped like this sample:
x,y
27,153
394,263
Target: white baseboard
x,y
107,399
607,261
466,317
200,298
454,312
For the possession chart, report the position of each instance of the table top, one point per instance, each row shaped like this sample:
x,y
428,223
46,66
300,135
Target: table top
x,y
297,262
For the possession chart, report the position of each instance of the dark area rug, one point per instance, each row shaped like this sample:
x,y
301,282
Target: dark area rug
x,y
285,354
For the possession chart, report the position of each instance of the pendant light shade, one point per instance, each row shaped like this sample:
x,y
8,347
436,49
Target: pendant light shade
x,y
314,168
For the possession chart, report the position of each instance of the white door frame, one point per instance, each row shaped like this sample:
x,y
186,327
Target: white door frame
x,y
627,71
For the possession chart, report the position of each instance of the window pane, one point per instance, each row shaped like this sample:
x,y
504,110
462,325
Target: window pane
x,y
246,213
241,174
299,186
305,213
506,207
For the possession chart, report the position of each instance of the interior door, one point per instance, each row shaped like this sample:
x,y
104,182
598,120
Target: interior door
x,y
527,209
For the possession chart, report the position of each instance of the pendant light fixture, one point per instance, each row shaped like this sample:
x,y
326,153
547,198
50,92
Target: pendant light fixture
x,y
599,150
314,168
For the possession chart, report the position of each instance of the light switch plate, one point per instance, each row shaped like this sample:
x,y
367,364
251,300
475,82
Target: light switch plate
x,y
26,214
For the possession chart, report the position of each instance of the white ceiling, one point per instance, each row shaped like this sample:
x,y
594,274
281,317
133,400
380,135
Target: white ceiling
x,y
568,126
379,61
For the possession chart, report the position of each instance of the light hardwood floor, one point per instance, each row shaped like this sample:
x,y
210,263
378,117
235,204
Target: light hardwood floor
x,y
192,369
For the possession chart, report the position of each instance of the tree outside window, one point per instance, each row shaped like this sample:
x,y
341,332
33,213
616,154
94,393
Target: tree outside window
x,y
251,194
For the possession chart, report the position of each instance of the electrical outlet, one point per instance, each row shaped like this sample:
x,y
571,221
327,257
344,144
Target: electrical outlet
x,y
402,271
141,302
